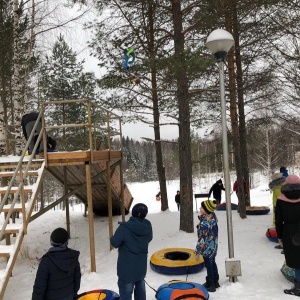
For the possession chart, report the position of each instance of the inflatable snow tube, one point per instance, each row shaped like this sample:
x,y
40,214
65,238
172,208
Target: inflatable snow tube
x,y
257,210
99,295
177,289
288,273
271,234
176,261
222,206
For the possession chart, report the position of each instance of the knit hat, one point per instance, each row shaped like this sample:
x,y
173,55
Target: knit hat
x,y
140,210
209,206
292,179
59,236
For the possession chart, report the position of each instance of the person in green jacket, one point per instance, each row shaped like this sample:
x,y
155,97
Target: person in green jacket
x,y
275,185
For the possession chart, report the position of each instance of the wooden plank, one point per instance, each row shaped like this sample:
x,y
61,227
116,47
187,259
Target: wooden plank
x,y
12,228
13,190
11,173
6,250
7,166
17,207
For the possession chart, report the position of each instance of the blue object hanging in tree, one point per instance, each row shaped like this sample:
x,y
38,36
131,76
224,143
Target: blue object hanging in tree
x,y
129,58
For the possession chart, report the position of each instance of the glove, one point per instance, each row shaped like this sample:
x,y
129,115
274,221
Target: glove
x,y
280,242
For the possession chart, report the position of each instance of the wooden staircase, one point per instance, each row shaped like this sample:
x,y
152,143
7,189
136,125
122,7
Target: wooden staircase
x,y
21,177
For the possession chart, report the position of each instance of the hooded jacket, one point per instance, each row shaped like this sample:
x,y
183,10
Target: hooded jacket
x,y
287,220
132,239
207,231
216,189
58,275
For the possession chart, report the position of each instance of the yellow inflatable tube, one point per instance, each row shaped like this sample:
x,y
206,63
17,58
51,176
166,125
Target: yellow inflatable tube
x,y
176,261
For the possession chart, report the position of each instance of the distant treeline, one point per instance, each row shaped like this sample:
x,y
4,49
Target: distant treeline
x,y
268,149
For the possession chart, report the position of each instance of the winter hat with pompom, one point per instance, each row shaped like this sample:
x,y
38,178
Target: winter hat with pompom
x,y
209,206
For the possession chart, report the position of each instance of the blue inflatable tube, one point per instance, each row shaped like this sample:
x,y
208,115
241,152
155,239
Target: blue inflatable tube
x,y
177,289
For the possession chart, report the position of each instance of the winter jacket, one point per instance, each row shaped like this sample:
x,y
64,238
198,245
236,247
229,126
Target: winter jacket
x,y
246,188
177,198
287,218
58,275
216,190
275,186
132,239
30,117
207,231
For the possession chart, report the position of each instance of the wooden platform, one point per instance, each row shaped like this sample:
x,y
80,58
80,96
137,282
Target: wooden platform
x,y
69,168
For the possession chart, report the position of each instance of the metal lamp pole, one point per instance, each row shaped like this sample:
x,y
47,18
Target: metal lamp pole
x,y
220,42
225,156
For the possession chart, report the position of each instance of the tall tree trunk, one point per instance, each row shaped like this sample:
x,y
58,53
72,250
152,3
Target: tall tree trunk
x,y
185,159
16,116
241,106
231,26
158,146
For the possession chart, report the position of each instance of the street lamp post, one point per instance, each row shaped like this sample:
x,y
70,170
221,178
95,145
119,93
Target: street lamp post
x,y
219,42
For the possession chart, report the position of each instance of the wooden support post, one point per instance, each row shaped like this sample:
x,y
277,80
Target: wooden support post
x,y
67,201
109,201
122,191
91,218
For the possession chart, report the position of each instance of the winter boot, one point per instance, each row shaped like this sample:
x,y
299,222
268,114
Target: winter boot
x,y
209,285
217,285
294,291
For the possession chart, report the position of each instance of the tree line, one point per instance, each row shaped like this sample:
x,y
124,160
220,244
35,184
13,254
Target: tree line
x,y
178,79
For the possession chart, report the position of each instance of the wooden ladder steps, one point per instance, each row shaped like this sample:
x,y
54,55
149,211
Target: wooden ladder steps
x,y
11,173
17,207
6,250
12,228
13,190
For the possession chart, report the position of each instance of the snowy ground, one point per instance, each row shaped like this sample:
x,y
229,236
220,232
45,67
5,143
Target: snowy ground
x,y
260,262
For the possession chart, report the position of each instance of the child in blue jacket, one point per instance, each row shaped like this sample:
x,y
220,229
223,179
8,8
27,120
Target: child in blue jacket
x,y
207,244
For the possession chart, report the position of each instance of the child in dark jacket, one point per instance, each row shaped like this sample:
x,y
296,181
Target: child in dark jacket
x,y
207,244
58,275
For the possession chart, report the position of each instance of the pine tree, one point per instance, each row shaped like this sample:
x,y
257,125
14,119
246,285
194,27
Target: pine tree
x,y
62,78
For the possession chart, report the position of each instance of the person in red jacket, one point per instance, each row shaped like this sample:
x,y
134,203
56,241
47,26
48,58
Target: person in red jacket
x,y
246,187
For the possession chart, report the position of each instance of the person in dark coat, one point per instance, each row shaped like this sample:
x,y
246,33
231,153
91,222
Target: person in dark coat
x,y
284,172
132,239
177,200
287,220
27,122
58,275
216,190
